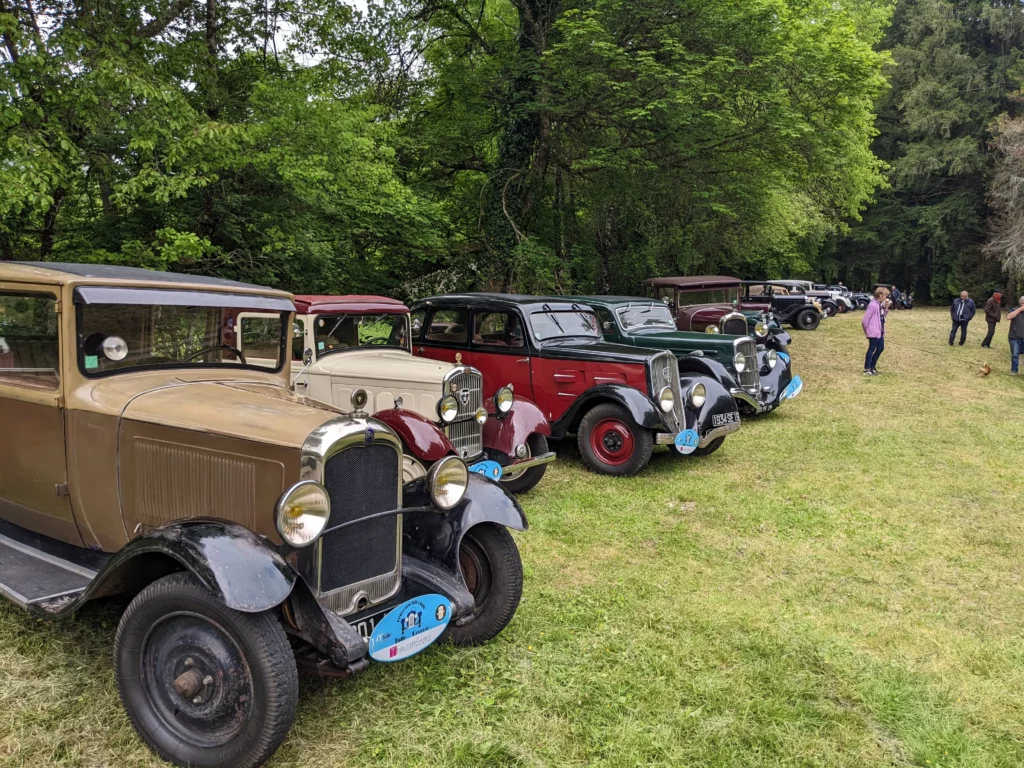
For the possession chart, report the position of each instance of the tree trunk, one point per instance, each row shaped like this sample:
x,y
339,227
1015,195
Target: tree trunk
x,y
50,224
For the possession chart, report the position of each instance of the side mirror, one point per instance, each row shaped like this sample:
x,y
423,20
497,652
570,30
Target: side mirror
x,y
307,357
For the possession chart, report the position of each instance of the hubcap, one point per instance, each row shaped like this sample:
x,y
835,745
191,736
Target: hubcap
x,y
476,570
196,679
612,441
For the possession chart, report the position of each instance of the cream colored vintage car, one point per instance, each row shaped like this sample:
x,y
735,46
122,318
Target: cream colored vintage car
x,y
355,351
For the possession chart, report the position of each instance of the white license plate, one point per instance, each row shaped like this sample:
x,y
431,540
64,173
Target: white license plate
x,y
718,419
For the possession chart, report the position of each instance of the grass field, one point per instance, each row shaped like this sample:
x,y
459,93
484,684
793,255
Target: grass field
x,y
840,585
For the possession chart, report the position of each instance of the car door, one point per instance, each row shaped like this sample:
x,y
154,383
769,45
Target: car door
x,y
33,461
445,335
499,348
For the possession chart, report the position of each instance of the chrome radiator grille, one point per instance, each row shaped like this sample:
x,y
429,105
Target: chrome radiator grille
x,y
364,558
665,373
465,432
750,379
734,324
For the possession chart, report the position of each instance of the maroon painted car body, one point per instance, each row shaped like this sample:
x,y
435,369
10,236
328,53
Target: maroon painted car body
x,y
701,301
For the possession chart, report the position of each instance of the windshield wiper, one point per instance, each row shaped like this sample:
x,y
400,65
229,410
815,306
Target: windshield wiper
x,y
551,314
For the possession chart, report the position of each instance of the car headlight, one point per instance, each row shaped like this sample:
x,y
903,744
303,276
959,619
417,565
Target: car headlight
x,y
666,399
740,362
447,482
761,329
711,329
773,358
698,395
448,409
480,415
302,513
503,399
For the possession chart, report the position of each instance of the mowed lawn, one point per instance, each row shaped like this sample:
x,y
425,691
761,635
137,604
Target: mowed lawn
x,y
840,585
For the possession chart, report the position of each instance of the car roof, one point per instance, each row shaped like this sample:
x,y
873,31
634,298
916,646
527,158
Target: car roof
x,y
693,281
502,300
614,299
308,303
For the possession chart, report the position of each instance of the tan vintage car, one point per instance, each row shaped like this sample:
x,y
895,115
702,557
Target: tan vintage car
x,y
356,349
144,452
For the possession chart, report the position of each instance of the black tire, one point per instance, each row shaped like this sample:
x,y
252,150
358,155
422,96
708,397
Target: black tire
x,y
641,439
710,448
807,320
842,308
862,304
829,309
527,481
493,570
175,626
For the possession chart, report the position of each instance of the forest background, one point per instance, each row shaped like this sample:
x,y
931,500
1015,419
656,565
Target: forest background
x,y
406,147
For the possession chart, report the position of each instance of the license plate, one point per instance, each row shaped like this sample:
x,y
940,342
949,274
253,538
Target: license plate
x,y
365,626
718,419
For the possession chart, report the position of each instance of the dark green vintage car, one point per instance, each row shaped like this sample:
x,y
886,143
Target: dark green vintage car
x,y
759,379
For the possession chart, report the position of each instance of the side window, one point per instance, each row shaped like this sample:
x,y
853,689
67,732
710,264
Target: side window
x,y
498,329
666,294
448,326
29,352
260,339
298,339
607,322
417,323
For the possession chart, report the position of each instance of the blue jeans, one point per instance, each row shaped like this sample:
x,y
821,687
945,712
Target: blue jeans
x,y
1016,350
875,349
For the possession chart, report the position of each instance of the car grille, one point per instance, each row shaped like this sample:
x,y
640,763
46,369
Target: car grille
x,y
665,373
734,325
750,379
465,433
363,558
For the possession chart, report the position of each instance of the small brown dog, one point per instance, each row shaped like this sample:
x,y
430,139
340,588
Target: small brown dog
x,y
985,370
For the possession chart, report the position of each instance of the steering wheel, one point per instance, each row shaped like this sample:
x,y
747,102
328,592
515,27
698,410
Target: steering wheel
x,y
204,350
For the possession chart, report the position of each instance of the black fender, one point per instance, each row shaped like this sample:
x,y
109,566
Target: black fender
x,y
434,536
696,365
241,569
777,378
778,339
718,401
642,409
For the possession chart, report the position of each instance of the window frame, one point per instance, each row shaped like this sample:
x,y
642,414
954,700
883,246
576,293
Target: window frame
x,y
494,349
425,335
40,292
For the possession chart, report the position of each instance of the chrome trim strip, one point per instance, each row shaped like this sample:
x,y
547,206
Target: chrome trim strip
x,y
753,402
47,558
15,597
665,438
718,432
535,461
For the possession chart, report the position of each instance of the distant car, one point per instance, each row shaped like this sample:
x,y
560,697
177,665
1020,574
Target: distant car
x,y
839,294
759,380
830,307
619,401
799,311
357,348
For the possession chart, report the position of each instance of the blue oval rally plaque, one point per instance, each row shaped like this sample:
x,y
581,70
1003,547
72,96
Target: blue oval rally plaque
x,y
409,628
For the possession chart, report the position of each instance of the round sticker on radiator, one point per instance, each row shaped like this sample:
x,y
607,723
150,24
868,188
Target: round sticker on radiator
x,y
410,628
491,469
687,441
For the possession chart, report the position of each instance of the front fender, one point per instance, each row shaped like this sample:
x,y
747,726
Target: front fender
x,y
642,409
777,379
420,435
434,536
695,365
237,566
779,340
719,401
504,432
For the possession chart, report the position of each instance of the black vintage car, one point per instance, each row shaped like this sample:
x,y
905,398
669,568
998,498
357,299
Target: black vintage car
x,y
793,309
618,400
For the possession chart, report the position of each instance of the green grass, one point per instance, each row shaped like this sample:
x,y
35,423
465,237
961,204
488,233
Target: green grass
x,y
840,585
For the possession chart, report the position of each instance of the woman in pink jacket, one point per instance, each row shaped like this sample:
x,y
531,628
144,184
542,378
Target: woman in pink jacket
x,y
874,329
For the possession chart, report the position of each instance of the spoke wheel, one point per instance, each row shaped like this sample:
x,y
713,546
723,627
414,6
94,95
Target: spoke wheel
x,y
527,479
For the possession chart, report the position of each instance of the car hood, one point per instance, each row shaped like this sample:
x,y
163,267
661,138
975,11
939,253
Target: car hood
x,y
586,349
683,340
383,365
246,410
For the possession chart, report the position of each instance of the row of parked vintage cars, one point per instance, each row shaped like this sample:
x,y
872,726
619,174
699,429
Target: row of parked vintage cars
x,y
317,481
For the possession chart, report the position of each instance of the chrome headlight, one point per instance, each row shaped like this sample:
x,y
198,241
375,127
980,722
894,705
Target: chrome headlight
x,y
761,329
302,513
773,358
698,395
504,399
711,329
740,362
666,399
480,415
448,409
447,482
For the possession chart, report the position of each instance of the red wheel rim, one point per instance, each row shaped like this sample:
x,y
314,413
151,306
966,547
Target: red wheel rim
x,y
612,442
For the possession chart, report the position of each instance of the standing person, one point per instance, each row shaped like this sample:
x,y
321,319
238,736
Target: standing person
x,y
873,324
993,314
961,312
1016,318
896,296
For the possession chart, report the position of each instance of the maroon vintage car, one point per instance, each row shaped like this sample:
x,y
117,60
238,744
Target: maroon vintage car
x,y
701,301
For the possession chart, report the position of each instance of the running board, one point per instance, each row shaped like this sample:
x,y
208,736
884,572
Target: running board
x,y
32,578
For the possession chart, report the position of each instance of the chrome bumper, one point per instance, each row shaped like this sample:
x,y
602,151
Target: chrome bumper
x,y
669,438
749,399
530,463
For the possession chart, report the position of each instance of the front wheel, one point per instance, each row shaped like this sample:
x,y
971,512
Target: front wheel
x,y
829,309
493,571
710,448
203,684
527,479
611,443
807,320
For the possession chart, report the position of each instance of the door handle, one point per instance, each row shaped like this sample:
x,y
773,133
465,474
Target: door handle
x,y
523,360
419,351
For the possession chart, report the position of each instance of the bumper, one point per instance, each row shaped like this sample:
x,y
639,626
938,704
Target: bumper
x,y
494,471
670,438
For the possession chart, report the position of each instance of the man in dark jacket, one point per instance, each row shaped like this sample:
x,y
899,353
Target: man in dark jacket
x,y
962,311
993,314
1016,318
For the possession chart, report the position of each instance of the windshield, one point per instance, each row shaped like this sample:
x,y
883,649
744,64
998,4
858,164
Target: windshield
x,y
645,316
114,338
336,333
553,324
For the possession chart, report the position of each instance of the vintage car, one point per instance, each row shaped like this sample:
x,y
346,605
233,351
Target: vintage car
x,y
357,347
830,305
758,379
258,531
797,310
619,401
710,304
